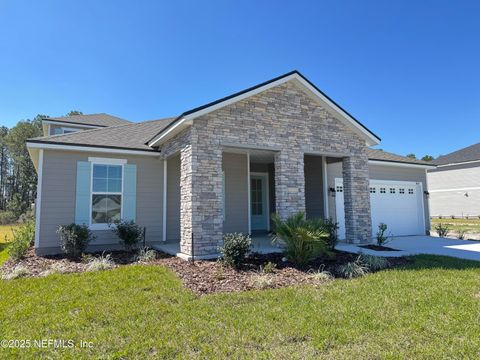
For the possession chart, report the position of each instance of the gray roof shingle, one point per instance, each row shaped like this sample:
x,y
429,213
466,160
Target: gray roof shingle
x,y
380,155
102,120
132,136
470,153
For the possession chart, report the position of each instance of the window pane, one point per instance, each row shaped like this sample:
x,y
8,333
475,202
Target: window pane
x,y
99,185
113,207
114,185
100,171
99,213
114,172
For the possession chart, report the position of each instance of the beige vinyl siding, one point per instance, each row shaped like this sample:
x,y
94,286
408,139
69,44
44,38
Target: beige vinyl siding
x,y
173,198
58,195
314,187
381,172
236,193
455,190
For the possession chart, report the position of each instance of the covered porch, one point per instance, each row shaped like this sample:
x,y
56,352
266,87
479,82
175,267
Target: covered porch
x,y
254,183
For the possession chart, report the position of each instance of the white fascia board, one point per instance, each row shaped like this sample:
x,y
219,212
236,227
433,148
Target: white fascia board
x,y
31,145
241,97
65,123
398,164
370,139
171,132
359,129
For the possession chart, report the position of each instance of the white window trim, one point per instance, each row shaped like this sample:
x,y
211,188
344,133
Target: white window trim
x,y
105,161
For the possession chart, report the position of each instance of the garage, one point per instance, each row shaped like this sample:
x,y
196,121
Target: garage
x,y
399,204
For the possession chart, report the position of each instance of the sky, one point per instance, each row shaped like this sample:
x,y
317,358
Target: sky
x,y
408,70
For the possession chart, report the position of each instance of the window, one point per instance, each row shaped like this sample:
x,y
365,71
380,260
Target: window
x,y
106,193
372,190
392,190
62,130
383,190
401,191
257,200
410,191
339,188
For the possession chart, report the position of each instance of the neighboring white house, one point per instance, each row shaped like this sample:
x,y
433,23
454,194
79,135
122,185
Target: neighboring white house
x,y
454,185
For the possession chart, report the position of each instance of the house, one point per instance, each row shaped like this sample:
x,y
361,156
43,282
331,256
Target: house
x,y
282,146
454,185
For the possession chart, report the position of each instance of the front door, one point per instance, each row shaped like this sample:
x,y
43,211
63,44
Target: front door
x,y
258,202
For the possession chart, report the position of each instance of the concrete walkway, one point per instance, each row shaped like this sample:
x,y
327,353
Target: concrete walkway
x,y
414,245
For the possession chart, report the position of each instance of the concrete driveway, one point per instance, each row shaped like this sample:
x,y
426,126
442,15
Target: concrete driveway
x,y
414,245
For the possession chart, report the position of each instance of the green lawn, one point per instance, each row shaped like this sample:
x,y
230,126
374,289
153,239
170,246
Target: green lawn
x,y
470,225
6,232
428,310
5,236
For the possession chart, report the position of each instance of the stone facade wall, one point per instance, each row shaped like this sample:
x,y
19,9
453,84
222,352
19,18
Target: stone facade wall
x,y
289,182
200,192
285,118
358,220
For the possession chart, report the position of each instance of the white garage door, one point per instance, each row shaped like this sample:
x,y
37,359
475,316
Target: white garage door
x,y
398,204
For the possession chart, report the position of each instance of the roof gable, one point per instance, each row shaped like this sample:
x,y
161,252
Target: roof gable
x,y
187,117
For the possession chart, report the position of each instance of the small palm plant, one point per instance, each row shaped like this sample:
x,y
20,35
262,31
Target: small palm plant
x,y
304,239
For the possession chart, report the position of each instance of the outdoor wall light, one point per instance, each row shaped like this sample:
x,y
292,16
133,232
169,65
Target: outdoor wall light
x,y
426,193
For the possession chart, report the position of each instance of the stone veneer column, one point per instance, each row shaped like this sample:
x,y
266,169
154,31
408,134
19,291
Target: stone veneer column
x,y
358,221
289,182
201,198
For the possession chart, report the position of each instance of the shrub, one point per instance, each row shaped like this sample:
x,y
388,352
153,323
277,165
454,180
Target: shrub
x,y
261,282
382,239
17,272
7,217
146,255
235,248
56,268
23,238
268,268
374,263
305,239
74,239
320,276
461,234
352,269
129,232
100,263
332,229
28,215
442,229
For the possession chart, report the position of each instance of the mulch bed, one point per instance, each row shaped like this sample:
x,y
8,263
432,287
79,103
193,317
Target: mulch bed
x,y
378,248
205,276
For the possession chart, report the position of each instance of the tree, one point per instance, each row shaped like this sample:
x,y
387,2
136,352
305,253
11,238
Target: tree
x,y
74,112
4,167
412,156
427,158
22,177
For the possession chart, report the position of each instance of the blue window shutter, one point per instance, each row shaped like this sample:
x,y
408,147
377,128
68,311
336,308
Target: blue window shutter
x,y
82,200
129,192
